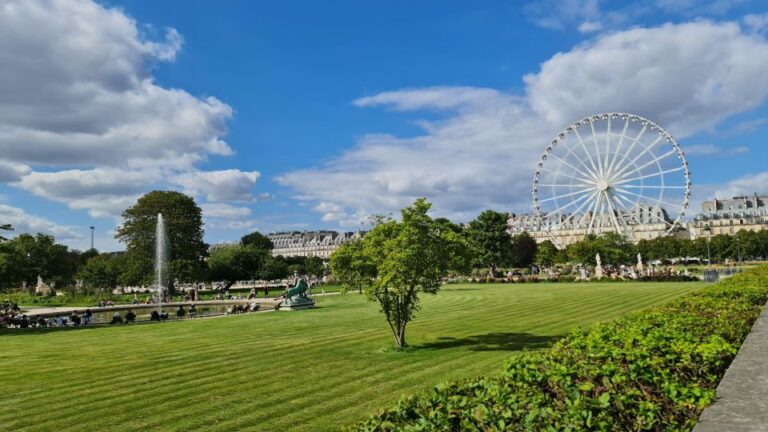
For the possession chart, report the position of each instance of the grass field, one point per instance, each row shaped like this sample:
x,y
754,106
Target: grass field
x,y
306,370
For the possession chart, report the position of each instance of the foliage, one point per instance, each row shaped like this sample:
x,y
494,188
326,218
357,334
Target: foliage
x,y
490,241
25,257
408,258
612,247
231,263
100,273
184,227
257,240
351,267
522,250
313,266
652,370
5,227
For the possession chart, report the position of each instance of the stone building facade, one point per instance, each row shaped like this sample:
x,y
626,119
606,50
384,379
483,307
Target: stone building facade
x,y
643,222
729,216
320,244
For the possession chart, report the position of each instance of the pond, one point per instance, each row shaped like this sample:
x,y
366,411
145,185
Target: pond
x,y
142,314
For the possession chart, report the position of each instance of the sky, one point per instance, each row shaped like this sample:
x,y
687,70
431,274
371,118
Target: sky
x,y
299,115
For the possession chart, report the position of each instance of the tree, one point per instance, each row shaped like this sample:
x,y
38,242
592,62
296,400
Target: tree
x,y
257,240
184,226
491,243
409,258
313,266
523,250
231,263
100,273
351,267
273,268
547,254
5,227
613,248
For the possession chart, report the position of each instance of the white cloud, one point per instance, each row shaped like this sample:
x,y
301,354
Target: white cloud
x,y
481,153
757,23
224,185
225,211
12,171
713,150
83,121
590,27
24,222
688,77
746,185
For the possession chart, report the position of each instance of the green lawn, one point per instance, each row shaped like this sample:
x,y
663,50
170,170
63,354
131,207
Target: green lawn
x,y
304,370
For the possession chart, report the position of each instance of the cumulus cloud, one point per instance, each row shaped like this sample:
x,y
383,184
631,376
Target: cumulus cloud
x,y
713,150
224,185
225,211
24,222
688,76
481,151
83,121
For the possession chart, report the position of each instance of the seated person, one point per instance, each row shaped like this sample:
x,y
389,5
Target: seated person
x,y
192,311
130,317
163,316
75,319
180,312
116,318
154,316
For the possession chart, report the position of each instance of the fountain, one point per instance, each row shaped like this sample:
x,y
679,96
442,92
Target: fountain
x,y
161,259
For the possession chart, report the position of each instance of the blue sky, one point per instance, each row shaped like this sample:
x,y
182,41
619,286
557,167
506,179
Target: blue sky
x,y
282,115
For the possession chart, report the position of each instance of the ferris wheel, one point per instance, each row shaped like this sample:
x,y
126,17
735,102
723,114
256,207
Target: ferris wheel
x,y
611,172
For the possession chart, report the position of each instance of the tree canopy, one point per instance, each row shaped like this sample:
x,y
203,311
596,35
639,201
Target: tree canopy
x,y
184,226
405,259
490,241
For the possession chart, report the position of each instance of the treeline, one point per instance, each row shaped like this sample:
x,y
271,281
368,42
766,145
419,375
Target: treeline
x,y
615,249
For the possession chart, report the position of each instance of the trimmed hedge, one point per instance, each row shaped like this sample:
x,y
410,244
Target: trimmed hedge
x,y
652,370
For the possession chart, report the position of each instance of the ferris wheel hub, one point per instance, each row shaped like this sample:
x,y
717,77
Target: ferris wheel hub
x,y
602,185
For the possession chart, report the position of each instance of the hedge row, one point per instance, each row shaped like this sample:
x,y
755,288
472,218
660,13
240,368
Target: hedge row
x,y
652,370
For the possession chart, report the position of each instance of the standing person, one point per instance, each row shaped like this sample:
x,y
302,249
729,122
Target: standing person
x,y
87,316
266,291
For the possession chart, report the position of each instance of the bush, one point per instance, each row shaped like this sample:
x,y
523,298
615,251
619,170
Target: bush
x,y
652,370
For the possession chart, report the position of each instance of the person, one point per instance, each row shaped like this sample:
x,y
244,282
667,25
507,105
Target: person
x,y
24,321
75,318
163,316
192,311
266,291
116,318
180,312
130,317
87,316
154,316
135,298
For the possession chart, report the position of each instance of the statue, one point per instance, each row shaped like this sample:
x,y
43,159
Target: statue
x,y
598,267
42,289
639,263
296,297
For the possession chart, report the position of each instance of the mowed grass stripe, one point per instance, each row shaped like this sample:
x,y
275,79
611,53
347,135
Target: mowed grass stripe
x,y
226,373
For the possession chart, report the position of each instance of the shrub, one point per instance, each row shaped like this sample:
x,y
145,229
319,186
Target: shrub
x,y
652,370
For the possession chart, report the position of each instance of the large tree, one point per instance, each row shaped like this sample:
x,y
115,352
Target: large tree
x,y
409,258
257,240
523,250
100,273
184,227
491,243
234,262
351,267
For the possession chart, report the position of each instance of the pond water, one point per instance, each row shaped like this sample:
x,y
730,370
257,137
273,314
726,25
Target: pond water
x,y
142,314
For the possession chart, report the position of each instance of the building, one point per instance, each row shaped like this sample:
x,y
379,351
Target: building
x,y
729,216
642,223
310,243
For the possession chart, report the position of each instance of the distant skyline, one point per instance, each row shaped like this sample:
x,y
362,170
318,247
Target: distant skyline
x,y
315,115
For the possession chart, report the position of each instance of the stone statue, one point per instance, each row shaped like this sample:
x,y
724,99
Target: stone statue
x,y
42,289
599,266
639,263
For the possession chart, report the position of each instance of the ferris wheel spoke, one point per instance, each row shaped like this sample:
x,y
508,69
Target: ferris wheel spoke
x,y
569,176
656,200
655,160
619,219
600,166
622,168
566,163
563,185
618,147
578,192
585,202
635,140
575,156
594,212
629,209
649,175
651,187
586,152
560,209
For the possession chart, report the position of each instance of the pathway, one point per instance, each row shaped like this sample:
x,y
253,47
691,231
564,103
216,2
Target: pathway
x,y
742,404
